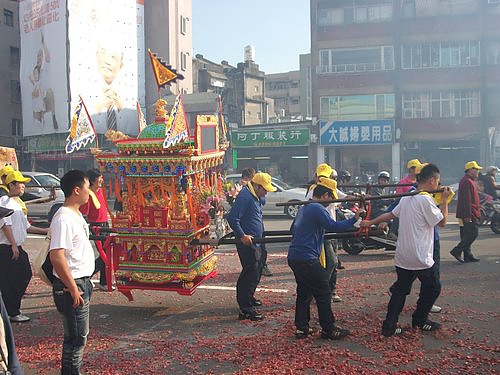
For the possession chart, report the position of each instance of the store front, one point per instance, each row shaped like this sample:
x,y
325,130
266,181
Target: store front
x,y
282,151
362,147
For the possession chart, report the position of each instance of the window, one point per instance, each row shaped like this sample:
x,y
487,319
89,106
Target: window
x,y
359,12
8,17
183,25
347,60
441,104
15,92
357,107
183,61
14,56
493,53
408,8
17,127
440,54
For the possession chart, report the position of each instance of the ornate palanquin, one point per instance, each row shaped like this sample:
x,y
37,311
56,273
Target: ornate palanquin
x,y
162,191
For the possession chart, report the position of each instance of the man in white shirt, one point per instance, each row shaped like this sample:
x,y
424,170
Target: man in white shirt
x,y
15,269
418,214
72,257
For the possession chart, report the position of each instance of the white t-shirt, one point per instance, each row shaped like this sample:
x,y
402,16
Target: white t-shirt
x,y
18,221
70,231
418,215
331,208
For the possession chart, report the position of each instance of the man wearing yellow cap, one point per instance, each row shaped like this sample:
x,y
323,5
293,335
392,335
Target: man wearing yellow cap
x,y
468,213
245,219
15,269
412,166
332,260
312,279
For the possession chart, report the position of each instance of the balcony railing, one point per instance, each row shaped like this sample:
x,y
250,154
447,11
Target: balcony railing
x,y
352,68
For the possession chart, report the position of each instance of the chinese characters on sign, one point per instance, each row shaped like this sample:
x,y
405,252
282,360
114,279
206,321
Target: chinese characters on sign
x,y
356,132
270,138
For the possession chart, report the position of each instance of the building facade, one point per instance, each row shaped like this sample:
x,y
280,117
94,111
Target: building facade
x,y
284,89
11,128
400,79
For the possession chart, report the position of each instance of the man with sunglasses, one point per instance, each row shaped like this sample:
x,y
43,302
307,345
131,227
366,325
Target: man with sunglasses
x,y
245,219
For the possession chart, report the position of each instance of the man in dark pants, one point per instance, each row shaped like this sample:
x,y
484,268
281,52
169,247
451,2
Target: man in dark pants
x,y
312,279
414,252
468,213
245,219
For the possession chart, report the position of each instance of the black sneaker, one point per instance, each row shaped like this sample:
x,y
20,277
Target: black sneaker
x,y
303,333
471,259
266,271
251,315
456,255
336,334
427,326
256,302
393,332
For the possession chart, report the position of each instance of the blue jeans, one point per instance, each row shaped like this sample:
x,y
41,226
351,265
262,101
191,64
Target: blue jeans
x,y
75,323
429,292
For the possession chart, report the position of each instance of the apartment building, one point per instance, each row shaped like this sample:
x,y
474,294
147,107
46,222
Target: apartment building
x,y
11,128
400,79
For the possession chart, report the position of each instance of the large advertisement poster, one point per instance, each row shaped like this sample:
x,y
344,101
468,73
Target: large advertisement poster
x,y
44,89
106,42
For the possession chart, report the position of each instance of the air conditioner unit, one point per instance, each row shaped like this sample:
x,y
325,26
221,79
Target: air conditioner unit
x,y
412,146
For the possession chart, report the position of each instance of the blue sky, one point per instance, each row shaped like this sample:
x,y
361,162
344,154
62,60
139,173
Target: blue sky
x,y
278,29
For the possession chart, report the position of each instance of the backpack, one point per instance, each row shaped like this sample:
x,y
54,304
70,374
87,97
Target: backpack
x,y
42,266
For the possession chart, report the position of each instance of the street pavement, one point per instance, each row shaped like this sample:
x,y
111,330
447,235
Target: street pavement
x,y
166,333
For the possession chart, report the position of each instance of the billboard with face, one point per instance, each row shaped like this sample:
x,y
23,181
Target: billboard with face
x,y
106,64
43,77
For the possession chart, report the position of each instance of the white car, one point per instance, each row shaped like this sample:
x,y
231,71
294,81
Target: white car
x,y
283,194
40,186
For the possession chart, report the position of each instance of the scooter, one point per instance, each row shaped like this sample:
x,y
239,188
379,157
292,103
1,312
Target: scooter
x,y
355,246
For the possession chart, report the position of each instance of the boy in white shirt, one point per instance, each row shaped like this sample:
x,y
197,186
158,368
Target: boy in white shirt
x,y
72,257
417,215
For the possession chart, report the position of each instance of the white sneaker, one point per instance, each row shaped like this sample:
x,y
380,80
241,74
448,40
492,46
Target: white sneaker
x,y
435,309
336,298
19,318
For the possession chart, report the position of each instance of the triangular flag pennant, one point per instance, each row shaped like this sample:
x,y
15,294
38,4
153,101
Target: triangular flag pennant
x,y
141,120
82,130
177,128
164,73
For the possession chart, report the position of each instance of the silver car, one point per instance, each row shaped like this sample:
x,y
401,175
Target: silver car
x,y
283,193
40,186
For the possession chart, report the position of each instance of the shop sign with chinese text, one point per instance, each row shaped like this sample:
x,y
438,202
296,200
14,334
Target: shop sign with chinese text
x,y
363,132
270,138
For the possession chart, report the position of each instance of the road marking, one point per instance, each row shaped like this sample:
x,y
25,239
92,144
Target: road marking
x,y
232,288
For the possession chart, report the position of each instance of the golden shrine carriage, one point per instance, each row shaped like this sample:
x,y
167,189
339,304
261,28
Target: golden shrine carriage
x,y
170,189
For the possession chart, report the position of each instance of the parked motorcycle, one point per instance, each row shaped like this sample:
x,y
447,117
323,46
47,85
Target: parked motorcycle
x,y
495,218
355,246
